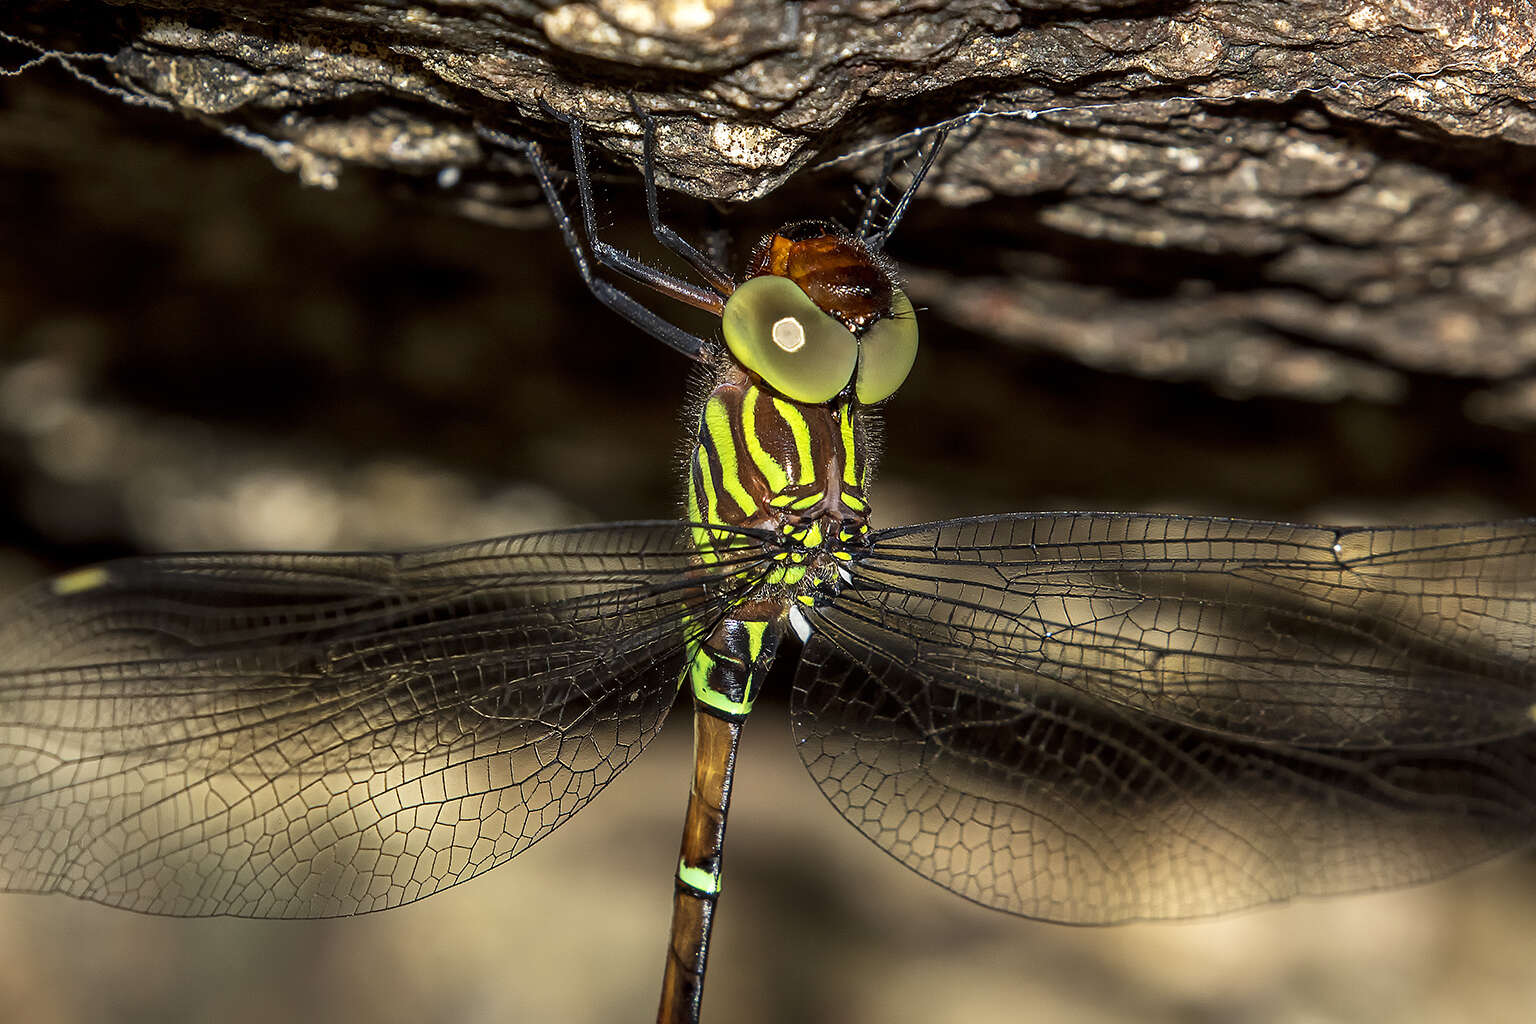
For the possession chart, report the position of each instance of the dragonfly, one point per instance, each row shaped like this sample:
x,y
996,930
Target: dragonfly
x,y
1087,718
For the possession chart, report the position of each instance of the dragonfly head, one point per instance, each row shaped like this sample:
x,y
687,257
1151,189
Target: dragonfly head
x,y
820,309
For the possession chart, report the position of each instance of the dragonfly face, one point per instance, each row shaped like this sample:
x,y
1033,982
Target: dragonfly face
x,y
1087,718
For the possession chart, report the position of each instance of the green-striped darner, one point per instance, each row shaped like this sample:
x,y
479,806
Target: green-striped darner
x,y
1277,589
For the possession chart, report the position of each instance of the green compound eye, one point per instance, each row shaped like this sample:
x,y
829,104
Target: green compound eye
x,y
775,330
886,352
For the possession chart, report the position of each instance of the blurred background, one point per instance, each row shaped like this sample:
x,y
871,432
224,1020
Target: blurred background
x,y
196,352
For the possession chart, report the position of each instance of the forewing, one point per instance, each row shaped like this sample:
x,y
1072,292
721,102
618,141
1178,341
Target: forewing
x,y
1106,718
297,735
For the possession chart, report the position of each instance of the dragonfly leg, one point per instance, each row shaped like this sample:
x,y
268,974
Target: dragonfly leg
x,y
670,285
876,193
876,239
707,267
620,302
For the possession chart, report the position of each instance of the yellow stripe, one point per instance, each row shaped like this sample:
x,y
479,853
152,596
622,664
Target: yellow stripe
x,y
700,880
692,644
706,487
801,504
755,633
772,472
703,540
802,435
695,514
699,671
717,425
785,575
845,423
704,543
81,580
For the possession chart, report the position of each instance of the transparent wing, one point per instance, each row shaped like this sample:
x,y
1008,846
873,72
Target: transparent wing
x,y
298,735
1097,718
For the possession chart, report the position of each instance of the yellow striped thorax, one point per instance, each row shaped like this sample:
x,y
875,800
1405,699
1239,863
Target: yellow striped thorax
x,y
797,470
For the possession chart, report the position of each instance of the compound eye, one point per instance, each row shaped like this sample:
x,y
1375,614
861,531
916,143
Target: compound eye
x,y
776,331
886,352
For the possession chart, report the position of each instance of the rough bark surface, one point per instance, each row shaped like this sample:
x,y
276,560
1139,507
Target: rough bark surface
x,y
1303,198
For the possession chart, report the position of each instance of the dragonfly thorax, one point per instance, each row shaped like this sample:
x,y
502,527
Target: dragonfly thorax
x,y
762,461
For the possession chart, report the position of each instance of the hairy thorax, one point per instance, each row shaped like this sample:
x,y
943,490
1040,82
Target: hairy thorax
x,y
796,470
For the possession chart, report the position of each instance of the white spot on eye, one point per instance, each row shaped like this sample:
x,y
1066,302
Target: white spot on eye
x,y
800,624
788,334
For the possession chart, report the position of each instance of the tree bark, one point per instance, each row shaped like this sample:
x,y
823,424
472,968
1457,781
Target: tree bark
x,y
1302,200
1332,195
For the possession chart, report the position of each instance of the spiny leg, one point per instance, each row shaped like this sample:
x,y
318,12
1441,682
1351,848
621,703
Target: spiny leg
x,y
876,193
708,268
620,302
615,259
878,239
